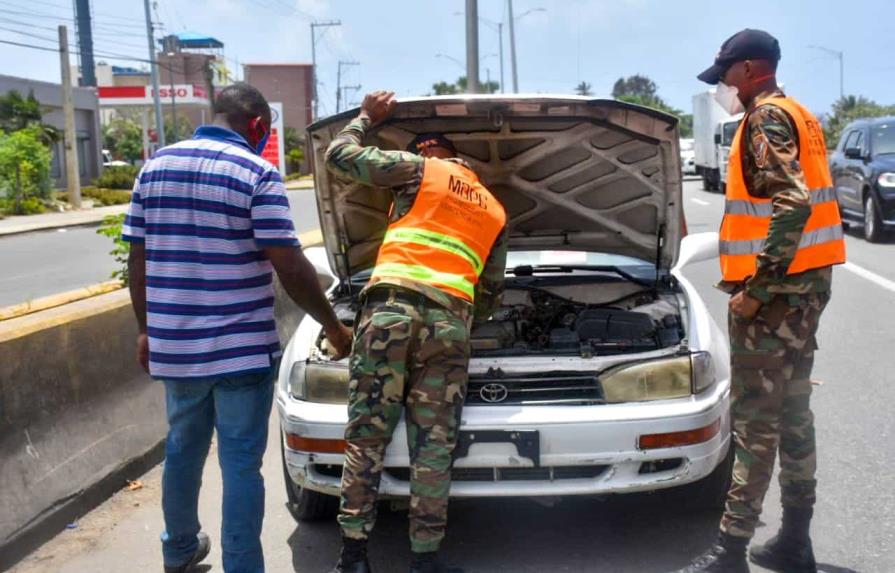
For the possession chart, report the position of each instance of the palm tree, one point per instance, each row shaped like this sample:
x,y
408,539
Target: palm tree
x,y
584,89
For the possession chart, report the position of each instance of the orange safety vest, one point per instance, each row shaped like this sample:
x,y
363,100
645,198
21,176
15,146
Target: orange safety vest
x,y
446,236
747,218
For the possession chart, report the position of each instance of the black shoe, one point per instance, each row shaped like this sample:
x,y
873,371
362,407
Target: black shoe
x,y
727,556
353,558
200,554
429,563
790,550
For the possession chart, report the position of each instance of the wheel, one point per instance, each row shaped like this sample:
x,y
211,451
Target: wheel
x,y
873,228
709,493
304,504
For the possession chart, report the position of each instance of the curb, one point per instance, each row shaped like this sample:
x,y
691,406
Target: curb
x,y
31,227
52,301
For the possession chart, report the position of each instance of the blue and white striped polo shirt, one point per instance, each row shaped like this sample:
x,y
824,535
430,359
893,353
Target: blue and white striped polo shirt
x,y
204,209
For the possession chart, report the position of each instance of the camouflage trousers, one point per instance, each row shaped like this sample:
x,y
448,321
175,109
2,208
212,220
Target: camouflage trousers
x,y
409,354
771,360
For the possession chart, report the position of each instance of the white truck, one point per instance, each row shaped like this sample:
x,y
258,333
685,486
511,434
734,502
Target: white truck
x,y
713,131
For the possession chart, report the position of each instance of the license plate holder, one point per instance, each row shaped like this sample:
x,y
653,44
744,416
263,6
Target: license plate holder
x,y
527,442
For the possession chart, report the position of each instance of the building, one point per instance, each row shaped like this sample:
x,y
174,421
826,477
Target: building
x,y
87,127
287,83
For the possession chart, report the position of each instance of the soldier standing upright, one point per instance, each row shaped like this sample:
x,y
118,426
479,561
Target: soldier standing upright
x,y
441,264
780,236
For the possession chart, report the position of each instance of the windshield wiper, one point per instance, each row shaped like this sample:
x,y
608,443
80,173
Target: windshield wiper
x,y
529,270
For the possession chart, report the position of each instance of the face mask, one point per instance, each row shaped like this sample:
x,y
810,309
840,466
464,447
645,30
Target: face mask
x,y
728,98
259,149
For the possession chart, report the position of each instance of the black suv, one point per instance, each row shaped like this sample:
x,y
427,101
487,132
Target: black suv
x,y
863,169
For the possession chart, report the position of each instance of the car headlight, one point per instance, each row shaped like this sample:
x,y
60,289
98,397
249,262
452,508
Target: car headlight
x,y
659,379
886,179
319,382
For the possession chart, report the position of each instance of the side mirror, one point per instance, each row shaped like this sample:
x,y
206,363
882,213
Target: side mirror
x,y
697,248
853,153
717,139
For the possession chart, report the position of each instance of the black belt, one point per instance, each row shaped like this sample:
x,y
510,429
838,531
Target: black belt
x,y
393,293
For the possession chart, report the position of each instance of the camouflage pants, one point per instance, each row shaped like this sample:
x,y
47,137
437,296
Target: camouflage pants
x,y
411,356
771,360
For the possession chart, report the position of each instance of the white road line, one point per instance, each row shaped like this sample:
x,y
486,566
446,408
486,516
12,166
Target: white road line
x,y
870,276
699,201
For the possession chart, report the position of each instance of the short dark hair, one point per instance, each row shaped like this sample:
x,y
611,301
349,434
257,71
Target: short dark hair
x,y
240,103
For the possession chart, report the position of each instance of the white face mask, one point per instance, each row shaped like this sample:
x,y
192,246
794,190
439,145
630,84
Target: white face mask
x,y
728,98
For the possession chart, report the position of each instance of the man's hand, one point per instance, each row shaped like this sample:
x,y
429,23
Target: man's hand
x,y
143,351
744,306
339,339
377,106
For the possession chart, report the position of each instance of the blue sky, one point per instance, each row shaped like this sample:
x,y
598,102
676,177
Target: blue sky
x,y
397,41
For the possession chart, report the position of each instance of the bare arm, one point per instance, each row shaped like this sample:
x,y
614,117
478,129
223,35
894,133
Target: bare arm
x,y
299,279
136,283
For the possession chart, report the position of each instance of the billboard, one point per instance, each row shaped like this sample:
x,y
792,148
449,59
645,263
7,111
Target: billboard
x,y
275,151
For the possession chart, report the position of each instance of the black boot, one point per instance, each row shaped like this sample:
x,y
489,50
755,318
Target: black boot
x,y
790,550
200,554
429,563
727,556
353,558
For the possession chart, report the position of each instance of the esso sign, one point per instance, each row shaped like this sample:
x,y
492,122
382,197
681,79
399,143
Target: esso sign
x,y
176,92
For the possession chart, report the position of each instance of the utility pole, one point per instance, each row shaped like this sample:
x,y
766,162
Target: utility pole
x,y
69,141
840,55
346,89
500,37
153,66
472,46
339,82
314,26
85,41
512,22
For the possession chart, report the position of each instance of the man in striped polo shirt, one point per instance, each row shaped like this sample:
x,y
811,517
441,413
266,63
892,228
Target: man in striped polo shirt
x,y
208,223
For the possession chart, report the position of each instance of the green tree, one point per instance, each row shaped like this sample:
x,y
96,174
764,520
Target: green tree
x,y
124,138
641,90
24,170
846,110
184,129
18,112
584,89
111,227
294,148
460,86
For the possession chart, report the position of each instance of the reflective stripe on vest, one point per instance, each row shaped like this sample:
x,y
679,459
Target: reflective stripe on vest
x,y
425,275
747,219
446,236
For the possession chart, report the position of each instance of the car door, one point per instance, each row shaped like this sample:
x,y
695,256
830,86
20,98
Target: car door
x,y
846,178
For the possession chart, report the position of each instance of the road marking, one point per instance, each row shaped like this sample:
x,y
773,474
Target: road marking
x,y
699,201
870,276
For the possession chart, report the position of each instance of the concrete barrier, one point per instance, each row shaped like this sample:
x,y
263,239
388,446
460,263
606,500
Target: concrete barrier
x,y
78,417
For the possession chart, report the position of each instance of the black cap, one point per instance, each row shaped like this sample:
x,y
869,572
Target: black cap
x,y
424,140
746,45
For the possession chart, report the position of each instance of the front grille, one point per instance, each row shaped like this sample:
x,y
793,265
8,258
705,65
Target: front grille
x,y
542,389
511,474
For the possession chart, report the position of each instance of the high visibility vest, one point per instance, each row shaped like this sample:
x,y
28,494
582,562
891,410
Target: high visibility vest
x,y
447,235
747,218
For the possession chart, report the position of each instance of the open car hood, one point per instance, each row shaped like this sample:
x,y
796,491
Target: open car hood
x,y
573,173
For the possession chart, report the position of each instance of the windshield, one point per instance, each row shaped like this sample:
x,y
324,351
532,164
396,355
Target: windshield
x,y
883,139
728,131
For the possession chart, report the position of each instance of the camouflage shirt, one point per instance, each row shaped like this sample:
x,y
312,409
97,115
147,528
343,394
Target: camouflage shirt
x,y
771,170
402,172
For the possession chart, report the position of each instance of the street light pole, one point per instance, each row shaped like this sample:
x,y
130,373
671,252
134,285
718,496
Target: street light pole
x,y
472,46
512,21
153,66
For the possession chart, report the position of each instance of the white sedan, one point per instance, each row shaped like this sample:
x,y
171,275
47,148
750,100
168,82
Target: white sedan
x,y
602,372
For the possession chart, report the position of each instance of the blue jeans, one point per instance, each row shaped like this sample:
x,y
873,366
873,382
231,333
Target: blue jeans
x,y
239,408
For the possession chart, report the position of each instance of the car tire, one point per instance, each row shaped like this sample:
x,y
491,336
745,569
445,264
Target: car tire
x,y
709,493
304,504
873,225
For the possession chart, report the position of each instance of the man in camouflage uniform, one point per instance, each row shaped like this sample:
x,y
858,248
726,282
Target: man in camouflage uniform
x,y
411,351
773,319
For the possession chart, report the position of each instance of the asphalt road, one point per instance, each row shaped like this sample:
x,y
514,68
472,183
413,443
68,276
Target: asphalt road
x,y
854,529
43,263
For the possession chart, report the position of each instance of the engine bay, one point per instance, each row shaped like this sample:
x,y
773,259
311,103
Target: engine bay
x,y
536,320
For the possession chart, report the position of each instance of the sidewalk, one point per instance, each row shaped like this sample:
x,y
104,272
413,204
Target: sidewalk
x,y
27,223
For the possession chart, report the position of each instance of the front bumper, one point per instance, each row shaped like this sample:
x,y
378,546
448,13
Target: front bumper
x,y
583,449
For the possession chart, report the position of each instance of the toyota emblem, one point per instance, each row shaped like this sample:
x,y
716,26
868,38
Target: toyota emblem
x,y
494,393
